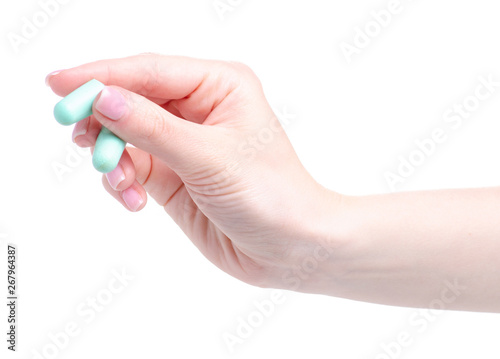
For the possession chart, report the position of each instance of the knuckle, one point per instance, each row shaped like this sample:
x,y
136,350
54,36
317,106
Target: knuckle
x,y
150,76
233,68
244,72
234,74
240,67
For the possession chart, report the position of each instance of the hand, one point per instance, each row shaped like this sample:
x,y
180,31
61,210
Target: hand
x,y
209,149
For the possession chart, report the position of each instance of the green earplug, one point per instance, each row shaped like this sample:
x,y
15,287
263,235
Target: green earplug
x,y
107,151
78,106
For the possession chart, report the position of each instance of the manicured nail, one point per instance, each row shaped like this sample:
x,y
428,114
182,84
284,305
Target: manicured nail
x,y
132,199
111,103
80,128
115,177
49,76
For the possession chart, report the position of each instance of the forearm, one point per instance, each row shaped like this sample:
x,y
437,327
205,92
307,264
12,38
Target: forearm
x,y
413,248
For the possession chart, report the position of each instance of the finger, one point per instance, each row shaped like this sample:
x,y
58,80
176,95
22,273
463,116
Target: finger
x,y
123,175
85,132
134,198
167,77
138,166
198,85
182,145
161,182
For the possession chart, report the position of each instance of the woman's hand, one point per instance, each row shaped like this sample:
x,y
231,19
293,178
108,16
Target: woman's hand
x,y
209,149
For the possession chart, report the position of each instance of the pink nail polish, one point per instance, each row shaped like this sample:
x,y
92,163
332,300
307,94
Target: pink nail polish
x,y
115,177
49,76
132,199
111,103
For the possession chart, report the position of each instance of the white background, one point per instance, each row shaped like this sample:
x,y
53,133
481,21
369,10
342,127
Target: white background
x,y
352,122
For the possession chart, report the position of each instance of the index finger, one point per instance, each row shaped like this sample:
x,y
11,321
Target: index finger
x,y
150,75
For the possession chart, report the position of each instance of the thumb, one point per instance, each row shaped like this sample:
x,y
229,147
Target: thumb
x,y
147,126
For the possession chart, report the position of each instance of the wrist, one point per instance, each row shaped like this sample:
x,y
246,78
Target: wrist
x,y
318,260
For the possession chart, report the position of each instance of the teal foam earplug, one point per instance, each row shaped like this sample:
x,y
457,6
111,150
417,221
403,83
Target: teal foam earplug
x,y
107,151
78,106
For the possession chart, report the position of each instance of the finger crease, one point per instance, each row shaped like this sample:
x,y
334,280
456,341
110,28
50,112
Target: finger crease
x,y
173,195
150,170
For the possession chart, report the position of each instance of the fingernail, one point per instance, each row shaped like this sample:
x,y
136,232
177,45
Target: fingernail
x,y
80,128
49,76
132,199
111,104
115,177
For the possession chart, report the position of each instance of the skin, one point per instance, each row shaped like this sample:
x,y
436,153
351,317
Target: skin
x,y
209,150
